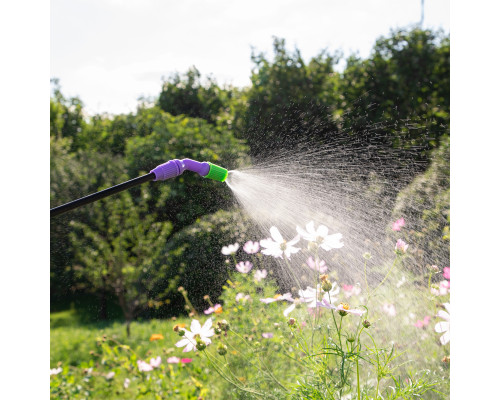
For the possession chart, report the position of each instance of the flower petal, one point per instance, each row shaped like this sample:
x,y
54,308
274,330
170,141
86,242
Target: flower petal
x,y
442,327
289,310
276,235
322,231
195,326
445,338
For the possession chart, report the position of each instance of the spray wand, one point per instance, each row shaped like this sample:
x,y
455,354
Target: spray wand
x,y
164,171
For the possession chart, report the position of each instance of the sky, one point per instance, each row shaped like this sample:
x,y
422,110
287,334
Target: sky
x,y
112,52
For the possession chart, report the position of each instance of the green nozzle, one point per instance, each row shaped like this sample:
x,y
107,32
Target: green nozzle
x,y
216,173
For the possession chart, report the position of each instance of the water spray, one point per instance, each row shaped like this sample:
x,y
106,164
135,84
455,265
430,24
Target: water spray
x,y
164,171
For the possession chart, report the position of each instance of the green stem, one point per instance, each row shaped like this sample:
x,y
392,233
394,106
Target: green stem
x,y
385,277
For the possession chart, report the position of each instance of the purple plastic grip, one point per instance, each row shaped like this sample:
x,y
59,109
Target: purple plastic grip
x,y
175,167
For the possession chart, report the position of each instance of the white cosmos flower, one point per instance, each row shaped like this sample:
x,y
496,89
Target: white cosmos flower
x,y
321,237
230,249
55,371
311,296
341,307
204,332
277,245
278,297
444,326
155,362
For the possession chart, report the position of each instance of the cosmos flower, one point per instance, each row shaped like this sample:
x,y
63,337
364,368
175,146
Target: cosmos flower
x,y
446,273
251,247
320,266
244,267
311,296
126,383
110,375
267,335
321,237
343,308
156,336
186,360
277,245
350,290
443,290
401,247
444,326
155,362
144,366
259,274
278,297
396,226
389,309
203,333
230,249
241,297
423,323
173,360
217,308
55,371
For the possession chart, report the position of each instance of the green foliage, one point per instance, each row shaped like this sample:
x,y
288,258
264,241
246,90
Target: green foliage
x,y
404,85
73,175
425,205
185,95
118,251
163,137
194,256
289,100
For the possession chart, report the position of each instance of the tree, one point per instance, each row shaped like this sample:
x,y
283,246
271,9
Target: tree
x,y
185,95
290,101
401,93
118,251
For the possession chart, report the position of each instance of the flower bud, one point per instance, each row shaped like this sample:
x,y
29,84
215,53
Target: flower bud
x,y
367,256
181,332
351,338
222,349
326,285
201,345
217,331
366,323
291,321
446,359
223,325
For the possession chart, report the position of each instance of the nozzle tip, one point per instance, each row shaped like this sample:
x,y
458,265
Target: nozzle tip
x,y
216,173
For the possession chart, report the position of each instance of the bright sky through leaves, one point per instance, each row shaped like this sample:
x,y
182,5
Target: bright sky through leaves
x,y
111,52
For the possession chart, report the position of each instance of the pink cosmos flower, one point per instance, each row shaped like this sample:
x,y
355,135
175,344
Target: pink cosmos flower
x,y
251,247
389,309
230,249
396,226
244,267
186,360
320,266
259,274
401,246
110,375
217,308
126,383
444,326
267,335
446,273
444,289
350,290
189,342
277,246
311,296
173,360
423,323
144,366
155,362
